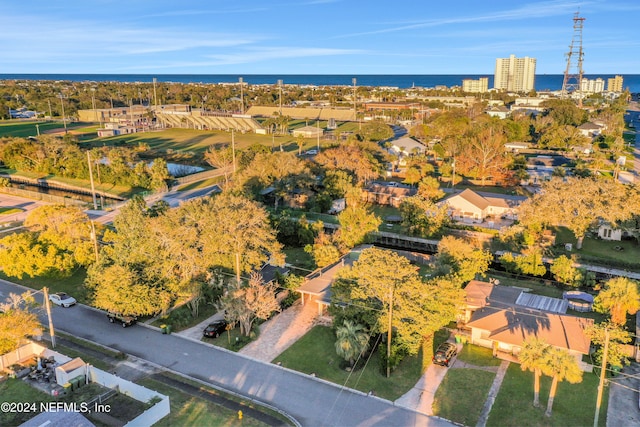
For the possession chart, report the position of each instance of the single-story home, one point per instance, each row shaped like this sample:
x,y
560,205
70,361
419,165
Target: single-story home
x,y
503,318
405,146
500,111
388,195
590,129
475,206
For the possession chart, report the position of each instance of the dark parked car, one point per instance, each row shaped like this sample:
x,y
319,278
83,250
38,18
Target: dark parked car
x,y
124,320
215,329
445,354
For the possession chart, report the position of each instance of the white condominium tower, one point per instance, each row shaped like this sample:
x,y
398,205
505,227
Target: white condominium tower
x,y
515,74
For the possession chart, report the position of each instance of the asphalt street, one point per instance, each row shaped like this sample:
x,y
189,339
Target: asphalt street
x,y
311,401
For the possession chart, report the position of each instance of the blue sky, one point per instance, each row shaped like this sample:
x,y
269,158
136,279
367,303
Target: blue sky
x,y
312,36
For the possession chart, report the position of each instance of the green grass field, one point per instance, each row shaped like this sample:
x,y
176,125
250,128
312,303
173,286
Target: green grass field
x,y
462,394
574,404
24,129
315,353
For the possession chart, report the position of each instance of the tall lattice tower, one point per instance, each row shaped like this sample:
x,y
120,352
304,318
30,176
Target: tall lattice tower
x,y
573,73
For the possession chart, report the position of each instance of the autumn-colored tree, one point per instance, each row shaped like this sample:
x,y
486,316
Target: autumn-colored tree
x,y
351,341
561,366
17,323
619,297
532,356
243,303
353,158
429,188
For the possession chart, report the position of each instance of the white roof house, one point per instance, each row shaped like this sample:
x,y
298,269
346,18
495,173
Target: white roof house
x,y
406,145
471,205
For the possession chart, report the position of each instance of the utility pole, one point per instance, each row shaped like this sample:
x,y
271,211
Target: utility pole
x,y
389,331
603,372
233,150
94,237
47,305
93,188
318,133
93,104
572,81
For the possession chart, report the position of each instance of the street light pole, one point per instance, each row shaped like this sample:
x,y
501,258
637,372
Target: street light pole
x,y
93,188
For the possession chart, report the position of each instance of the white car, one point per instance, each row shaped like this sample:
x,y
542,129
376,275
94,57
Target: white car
x,y
311,152
62,299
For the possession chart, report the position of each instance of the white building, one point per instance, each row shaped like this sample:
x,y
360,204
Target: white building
x,y
515,74
476,86
589,86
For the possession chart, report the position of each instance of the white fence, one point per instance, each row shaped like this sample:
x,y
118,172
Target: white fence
x,y
135,391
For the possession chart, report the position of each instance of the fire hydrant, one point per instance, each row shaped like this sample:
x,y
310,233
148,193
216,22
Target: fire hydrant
x,y
239,415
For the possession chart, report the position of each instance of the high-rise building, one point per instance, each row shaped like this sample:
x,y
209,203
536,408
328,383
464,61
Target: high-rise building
x,y
614,84
592,85
515,74
476,86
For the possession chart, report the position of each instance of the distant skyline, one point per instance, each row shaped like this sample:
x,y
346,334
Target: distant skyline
x,y
312,36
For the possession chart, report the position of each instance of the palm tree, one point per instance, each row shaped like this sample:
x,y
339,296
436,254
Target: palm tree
x,y
352,339
532,357
619,297
560,365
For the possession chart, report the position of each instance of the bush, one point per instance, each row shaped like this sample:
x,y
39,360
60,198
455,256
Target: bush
x,y
397,355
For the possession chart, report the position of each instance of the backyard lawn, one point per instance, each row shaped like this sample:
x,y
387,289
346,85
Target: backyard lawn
x,y
315,353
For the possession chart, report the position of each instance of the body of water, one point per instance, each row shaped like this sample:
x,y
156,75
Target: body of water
x,y
542,82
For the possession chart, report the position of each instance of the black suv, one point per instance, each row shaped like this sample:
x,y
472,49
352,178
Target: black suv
x,y
445,354
215,329
124,320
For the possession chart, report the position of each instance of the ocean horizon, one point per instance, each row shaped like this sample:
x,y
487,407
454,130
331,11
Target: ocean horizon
x,y
543,82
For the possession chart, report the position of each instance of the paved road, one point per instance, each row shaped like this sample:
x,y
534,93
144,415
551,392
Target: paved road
x,y
311,401
27,205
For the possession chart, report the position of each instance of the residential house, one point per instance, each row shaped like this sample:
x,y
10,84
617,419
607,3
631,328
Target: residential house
x,y
590,129
501,111
406,146
391,195
503,318
469,205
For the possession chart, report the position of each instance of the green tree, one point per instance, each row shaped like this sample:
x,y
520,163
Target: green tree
x,y
389,285
356,225
564,271
351,341
532,357
457,256
23,254
618,337
121,289
422,217
619,297
579,203
561,366
221,158
412,176
324,250
238,234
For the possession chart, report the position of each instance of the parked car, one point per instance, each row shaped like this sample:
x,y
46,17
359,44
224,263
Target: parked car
x,y
124,320
311,152
444,354
213,330
62,299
